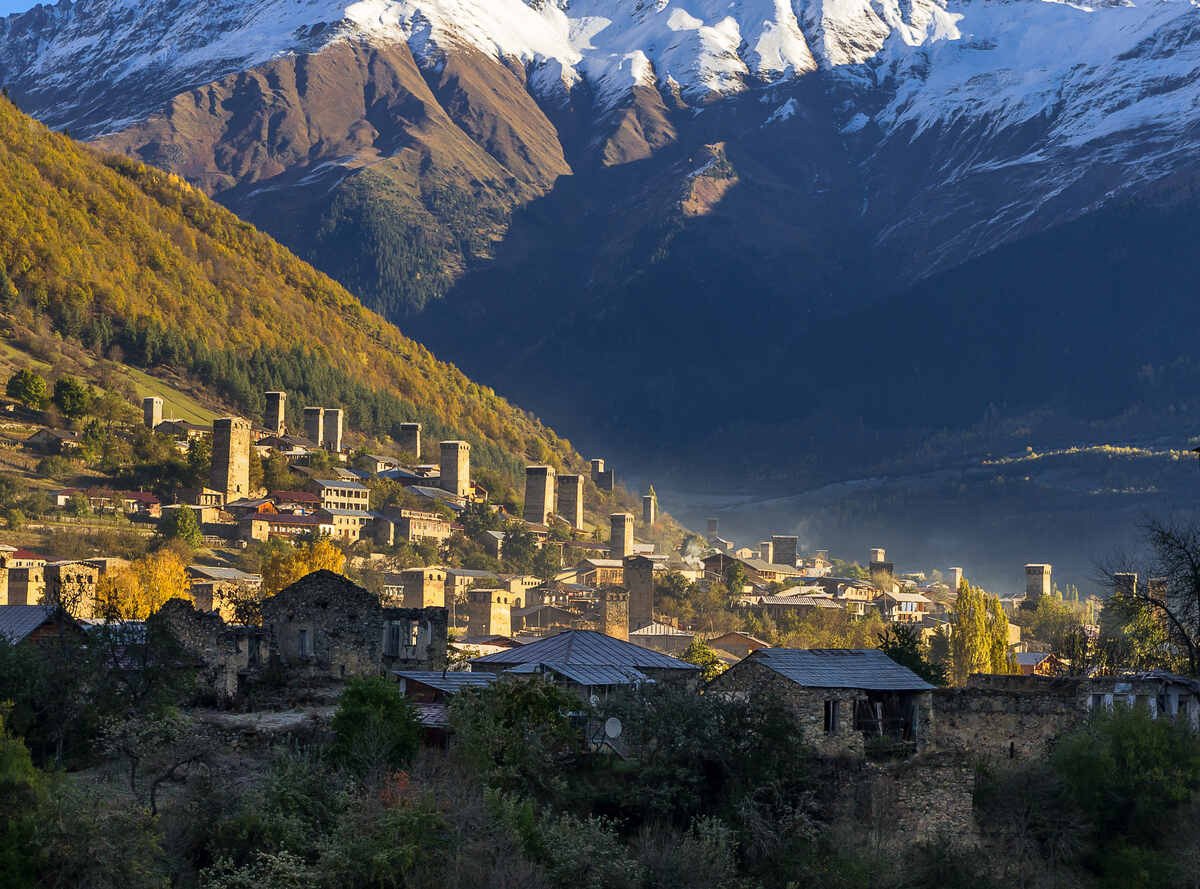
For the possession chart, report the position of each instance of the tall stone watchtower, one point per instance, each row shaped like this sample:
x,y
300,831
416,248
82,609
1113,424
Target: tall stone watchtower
x,y
650,507
784,549
602,478
766,552
231,457
332,419
152,411
539,494
276,417
620,538
314,425
456,468
954,580
409,439
1038,582
569,499
639,580
424,587
489,612
614,613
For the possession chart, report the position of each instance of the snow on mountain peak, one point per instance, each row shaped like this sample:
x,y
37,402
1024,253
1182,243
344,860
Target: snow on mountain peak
x,y
938,58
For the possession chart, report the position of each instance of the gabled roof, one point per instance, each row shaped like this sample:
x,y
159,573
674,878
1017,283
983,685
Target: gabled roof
x,y
587,676
657,629
18,621
1032,658
862,668
450,682
585,648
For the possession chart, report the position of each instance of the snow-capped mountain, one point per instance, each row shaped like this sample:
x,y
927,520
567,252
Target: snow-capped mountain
x,y
557,168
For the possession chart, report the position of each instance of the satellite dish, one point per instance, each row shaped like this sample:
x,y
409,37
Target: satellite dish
x,y
612,728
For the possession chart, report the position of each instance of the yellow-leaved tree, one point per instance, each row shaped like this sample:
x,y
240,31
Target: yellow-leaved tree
x,y
284,567
142,587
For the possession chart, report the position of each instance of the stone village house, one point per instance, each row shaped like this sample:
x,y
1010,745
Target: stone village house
x,y
841,698
321,628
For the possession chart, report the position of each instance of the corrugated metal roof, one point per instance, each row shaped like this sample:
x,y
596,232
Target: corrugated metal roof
x,y
864,668
450,682
585,648
18,621
657,629
221,572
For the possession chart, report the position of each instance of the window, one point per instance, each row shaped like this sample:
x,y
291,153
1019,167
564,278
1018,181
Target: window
x,y
831,717
392,646
305,644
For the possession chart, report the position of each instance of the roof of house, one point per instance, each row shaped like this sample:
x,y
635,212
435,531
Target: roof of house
x,y
589,676
906,597
340,483
221,572
863,668
450,681
1032,658
585,648
18,621
739,636
295,496
658,629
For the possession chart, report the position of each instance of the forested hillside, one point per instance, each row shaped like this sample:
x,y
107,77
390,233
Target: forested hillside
x,y
135,263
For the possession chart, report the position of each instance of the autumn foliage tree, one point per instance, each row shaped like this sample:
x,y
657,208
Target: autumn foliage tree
x,y
283,567
979,638
145,585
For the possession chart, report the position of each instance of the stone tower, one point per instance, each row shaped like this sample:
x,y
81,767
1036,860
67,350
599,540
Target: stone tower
x,y
877,554
314,424
152,411
569,499
650,507
489,612
954,580
424,587
1037,582
231,457
784,548
614,613
539,494
639,580
604,479
620,538
713,528
276,417
456,468
409,440
766,552
332,419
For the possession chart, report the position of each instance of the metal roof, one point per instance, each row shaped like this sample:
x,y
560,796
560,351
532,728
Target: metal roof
x,y
587,676
450,682
585,648
18,621
221,572
863,668
659,629
344,483
1031,658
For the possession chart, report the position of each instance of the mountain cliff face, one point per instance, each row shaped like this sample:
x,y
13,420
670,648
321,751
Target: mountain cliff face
x,y
739,208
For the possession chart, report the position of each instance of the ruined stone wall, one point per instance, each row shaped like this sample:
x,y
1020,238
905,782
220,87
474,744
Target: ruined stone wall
x,y
427,630
222,653
1007,717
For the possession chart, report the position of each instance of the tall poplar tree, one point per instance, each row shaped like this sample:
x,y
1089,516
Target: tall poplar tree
x,y
979,640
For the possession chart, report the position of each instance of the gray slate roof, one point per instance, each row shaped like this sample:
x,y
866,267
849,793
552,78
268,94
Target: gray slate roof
x,y
585,648
449,682
862,668
18,621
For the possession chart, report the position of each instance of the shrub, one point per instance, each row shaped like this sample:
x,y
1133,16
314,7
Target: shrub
x,y
376,730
